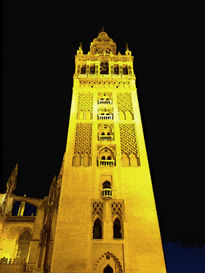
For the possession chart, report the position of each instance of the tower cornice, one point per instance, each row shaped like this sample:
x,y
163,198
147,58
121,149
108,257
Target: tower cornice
x,y
99,57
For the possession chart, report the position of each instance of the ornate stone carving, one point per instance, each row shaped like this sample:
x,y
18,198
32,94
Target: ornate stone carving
x,y
97,209
99,83
103,44
125,108
117,209
102,262
85,106
128,139
83,138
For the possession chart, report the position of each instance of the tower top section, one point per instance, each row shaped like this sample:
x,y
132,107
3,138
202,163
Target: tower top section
x,y
102,60
103,47
103,44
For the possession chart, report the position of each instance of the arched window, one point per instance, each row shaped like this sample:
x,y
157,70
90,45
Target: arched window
x,y
92,69
108,269
125,70
23,245
106,191
105,114
104,68
116,69
97,229
117,230
83,69
106,158
105,133
106,185
104,98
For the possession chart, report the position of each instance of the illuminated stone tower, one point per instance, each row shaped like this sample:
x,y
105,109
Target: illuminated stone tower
x,y
107,219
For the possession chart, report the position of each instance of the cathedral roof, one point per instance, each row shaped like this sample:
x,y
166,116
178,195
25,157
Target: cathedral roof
x,y
103,44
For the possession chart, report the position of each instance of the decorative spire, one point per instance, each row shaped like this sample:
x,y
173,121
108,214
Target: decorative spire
x,y
60,175
52,191
80,49
11,183
102,29
127,51
103,43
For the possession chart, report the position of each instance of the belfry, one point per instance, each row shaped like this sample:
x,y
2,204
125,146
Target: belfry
x,y
107,220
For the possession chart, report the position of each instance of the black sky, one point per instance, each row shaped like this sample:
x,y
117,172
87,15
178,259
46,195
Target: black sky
x,y
38,46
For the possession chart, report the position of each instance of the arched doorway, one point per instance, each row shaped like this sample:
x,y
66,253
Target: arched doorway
x,y
108,269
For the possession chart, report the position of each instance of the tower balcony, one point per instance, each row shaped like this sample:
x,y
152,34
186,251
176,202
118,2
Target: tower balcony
x,y
104,101
107,193
106,163
105,116
106,138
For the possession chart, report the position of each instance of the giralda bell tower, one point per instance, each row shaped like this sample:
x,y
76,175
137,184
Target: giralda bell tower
x,y
107,220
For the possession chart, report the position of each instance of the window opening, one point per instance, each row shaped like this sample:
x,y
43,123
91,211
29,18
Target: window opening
x,y
97,229
108,269
116,69
83,69
106,191
106,158
125,70
106,185
105,133
117,233
104,68
92,69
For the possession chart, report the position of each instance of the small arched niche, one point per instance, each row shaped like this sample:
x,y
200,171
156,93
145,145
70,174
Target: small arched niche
x,y
77,160
121,115
80,115
133,160
86,160
128,115
125,160
87,115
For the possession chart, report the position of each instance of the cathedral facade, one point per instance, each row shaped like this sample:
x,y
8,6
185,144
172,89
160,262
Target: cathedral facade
x,y
100,215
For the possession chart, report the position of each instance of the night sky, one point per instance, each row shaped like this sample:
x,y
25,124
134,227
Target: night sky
x,y
40,39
